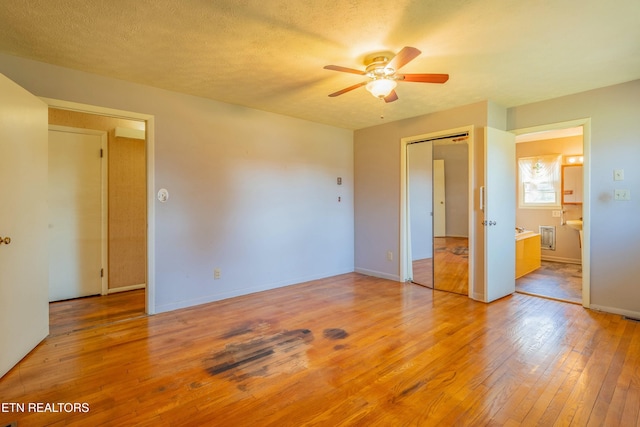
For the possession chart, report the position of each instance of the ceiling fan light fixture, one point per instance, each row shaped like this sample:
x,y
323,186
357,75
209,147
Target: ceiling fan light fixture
x,y
381,74
381,88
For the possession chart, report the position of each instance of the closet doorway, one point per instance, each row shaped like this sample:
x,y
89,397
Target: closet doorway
x,y
438,211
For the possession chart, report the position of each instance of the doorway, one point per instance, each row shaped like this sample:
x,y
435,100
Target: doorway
x,y
438,209
562,272
124,130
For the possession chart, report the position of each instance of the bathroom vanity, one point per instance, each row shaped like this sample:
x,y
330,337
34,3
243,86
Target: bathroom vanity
x,y
527,252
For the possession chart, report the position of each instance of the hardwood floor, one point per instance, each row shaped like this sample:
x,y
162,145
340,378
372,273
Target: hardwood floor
x,y
347,350
423,272
90,312
449,269
451,264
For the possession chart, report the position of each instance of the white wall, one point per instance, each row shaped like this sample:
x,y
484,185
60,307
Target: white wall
x,y
614,225
252,193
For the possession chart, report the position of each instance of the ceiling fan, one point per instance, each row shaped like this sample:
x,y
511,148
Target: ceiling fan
x,y
382,74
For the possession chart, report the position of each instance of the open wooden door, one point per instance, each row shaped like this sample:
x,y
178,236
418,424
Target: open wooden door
x,y
24,258
499,214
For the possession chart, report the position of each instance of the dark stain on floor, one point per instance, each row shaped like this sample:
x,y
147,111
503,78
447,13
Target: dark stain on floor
x,y
412,389
247,328
282,352
335,334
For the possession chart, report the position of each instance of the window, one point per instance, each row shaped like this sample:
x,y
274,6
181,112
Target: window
x,y
539,181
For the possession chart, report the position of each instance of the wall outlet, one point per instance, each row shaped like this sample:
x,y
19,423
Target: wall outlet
x,y
622,195
216,273
389,256
556,214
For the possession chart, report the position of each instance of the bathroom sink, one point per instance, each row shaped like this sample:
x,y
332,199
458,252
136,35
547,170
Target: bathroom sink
x,y
576,224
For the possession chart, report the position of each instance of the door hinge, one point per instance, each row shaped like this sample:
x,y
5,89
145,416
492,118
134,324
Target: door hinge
x,y
101,153
102,272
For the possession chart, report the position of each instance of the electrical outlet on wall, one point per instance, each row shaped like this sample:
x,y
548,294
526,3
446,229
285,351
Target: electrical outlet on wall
x,y
389,256
622,195
216,273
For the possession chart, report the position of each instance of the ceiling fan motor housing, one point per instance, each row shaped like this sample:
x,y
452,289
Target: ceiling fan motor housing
x,y
377,68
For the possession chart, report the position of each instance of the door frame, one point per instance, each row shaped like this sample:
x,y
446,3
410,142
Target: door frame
x,y
586,202
104,193
406,266
149,120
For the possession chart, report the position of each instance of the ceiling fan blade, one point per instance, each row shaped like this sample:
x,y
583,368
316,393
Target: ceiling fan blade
x,y
403,57
424,78
344,69
393,96
350,88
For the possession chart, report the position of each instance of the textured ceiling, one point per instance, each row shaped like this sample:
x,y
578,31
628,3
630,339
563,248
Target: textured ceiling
x,y
269,54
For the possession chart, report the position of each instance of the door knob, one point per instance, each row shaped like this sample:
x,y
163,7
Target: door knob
x,y
6,240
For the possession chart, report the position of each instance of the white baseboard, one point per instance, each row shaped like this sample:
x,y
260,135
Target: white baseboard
x,y
614,310
379,274
126,288
176,305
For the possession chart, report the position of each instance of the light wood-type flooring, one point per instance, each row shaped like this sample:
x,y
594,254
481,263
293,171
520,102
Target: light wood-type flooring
x,y
448,270
90,312
346,350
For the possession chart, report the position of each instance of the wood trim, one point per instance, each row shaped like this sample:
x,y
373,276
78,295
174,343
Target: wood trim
x,y
150,301
127,288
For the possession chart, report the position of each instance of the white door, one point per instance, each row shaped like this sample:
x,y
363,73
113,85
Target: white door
x,y
439,200
499,214
24,286
76,214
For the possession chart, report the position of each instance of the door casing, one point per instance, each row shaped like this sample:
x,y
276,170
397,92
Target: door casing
x,y
405,240
586,201
149,120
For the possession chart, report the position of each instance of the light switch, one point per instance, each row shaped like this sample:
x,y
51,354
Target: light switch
x,y
618,175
